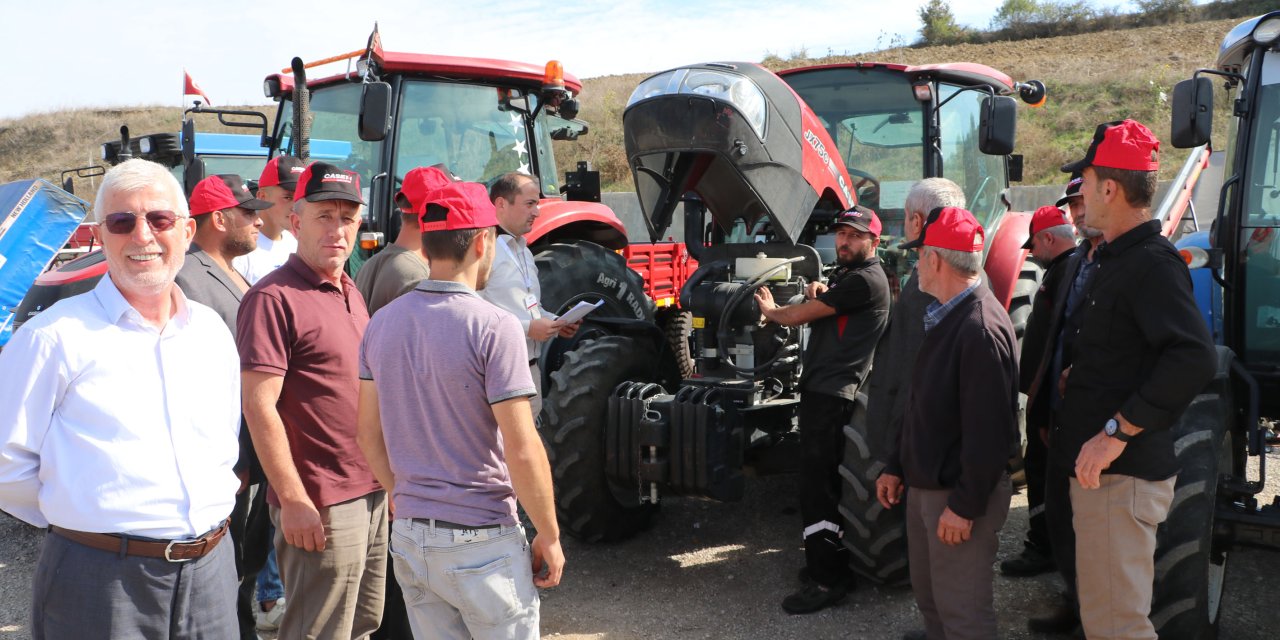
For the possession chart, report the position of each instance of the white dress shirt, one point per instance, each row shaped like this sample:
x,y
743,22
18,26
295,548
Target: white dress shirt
x,y
513,279
269,255
110,425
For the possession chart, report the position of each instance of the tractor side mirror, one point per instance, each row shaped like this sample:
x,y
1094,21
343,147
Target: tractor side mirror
x,y
998,125
1192,113
375,111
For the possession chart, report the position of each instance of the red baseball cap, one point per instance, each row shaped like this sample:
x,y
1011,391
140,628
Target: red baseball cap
x,y
419,183
1046,217
283,172
323,181
457,206
950,228
1123,144
217,193
860,218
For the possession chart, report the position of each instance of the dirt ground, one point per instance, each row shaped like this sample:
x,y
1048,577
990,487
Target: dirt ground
x,y
712,570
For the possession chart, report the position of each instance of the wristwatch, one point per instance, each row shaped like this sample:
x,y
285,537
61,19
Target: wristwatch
x,y
1112,428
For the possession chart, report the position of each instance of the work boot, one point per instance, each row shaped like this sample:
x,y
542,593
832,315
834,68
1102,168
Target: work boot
x,y
1063,619
813,597
916,634
1031,562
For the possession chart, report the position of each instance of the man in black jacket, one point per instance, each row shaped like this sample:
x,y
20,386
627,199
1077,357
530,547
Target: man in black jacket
x,y
845,318
1140,356
957,436
1051,240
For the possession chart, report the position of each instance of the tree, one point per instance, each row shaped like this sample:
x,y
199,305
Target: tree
x,y
939,24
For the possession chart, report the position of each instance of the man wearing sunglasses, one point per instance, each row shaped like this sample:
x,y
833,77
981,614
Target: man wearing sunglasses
x,y
299,332
118,424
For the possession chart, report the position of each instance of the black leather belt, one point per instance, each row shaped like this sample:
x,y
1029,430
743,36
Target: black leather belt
x,y
445,524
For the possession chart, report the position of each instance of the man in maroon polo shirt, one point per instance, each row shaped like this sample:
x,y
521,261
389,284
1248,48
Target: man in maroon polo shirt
x,y
299,332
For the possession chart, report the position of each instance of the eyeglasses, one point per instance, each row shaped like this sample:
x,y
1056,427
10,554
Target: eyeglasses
x,y
123,223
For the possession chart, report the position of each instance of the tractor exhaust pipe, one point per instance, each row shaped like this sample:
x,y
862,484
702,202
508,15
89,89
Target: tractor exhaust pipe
x,y
301,112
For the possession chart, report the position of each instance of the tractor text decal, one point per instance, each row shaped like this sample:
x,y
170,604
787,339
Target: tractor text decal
x,y
821,150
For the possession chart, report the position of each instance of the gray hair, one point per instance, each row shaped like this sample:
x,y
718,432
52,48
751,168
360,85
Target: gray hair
x,y
135,175
1063,231
968,263
931,193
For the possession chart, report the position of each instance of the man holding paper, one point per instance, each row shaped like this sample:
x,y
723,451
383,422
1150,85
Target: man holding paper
x,y
513,283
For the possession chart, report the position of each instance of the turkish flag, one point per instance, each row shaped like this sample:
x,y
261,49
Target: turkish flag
x,y
190,88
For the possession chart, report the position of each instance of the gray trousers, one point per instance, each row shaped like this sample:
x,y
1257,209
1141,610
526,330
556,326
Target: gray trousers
x,y
81,593
954,585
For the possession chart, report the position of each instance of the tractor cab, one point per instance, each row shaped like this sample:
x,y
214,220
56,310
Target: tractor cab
x,y
479,118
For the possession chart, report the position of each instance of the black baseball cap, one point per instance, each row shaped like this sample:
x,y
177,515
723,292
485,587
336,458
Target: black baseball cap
x,y
860,218
1072,190
323,181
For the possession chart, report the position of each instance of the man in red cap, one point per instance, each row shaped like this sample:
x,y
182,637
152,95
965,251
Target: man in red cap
x,y
227,222
1140,356
275,243
958,434
299,333
846,318
1051,240
445,423
396,269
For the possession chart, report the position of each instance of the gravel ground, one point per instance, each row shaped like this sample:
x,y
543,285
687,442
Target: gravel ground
x,y
712,570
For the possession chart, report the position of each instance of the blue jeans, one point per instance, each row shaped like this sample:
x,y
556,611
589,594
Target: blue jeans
x,y
270,588
465,584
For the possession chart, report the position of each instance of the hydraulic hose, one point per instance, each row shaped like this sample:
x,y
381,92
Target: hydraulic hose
x,y
722,330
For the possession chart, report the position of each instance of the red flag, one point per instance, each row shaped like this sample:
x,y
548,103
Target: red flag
x,y
190,88
374,48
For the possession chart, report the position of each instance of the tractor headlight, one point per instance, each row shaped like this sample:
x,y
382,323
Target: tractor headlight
x,y
737,90
145,145
1267,31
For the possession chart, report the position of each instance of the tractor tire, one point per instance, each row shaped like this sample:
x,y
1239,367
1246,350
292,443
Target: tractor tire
x,y
1024,293
876,537
589,505
678,327
1190,568
572,272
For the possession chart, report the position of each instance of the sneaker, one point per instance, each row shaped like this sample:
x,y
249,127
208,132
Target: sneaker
x,y
1031,562
813,597
269,620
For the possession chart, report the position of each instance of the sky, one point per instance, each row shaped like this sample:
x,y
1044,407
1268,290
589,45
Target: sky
x,y
101,53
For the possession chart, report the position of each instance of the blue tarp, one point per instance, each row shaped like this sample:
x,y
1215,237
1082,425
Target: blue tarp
x,y
36,220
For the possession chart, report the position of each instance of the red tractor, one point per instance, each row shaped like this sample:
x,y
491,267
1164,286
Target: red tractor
x,y
758,165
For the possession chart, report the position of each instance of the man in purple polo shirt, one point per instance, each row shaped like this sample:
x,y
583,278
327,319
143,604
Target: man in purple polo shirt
x,y
299,331
445,420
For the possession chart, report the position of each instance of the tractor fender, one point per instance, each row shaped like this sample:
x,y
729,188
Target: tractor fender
x,y
568,220
1005,255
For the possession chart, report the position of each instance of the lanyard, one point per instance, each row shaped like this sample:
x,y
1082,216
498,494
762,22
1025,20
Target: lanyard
x,y
519,260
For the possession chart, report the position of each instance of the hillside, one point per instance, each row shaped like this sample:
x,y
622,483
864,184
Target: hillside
x,y
1091,78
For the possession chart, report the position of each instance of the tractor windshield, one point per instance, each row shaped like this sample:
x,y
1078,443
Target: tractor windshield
x,y
335,132
980,176
1261,223
472,130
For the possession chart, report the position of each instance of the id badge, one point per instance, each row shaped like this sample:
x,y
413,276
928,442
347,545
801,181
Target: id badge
x,y
531,304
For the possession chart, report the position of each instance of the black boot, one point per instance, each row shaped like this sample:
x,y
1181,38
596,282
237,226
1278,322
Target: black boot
x,y
1031,562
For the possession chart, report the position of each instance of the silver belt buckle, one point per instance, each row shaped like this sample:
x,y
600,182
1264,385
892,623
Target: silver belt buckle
x,y
168,553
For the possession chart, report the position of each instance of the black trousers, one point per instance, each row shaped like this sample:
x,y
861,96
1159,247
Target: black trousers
x,y
1035,464
822,421
250,544
1062,533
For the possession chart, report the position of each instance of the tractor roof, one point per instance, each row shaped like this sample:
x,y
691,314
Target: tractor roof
x,y
452,67
1238,42
964,73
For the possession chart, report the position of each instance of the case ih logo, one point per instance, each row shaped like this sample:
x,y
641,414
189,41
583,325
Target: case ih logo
x,y
821,150
336,177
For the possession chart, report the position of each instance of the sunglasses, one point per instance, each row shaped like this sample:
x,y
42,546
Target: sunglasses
x,y
124,222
